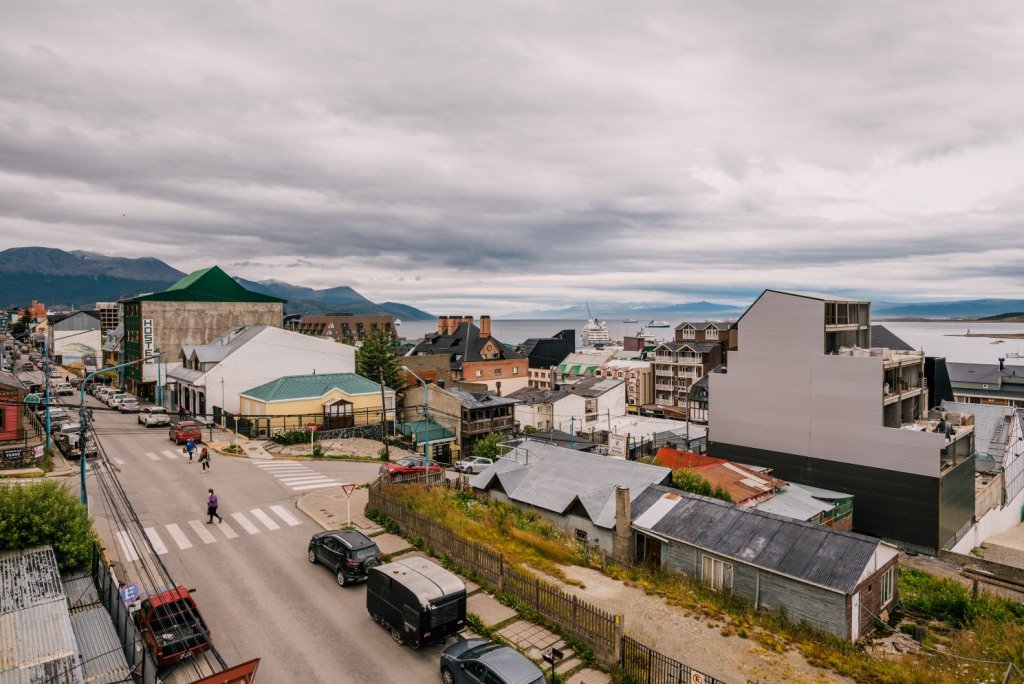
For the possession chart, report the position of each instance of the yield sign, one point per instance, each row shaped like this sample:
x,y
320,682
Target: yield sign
x,y
348,488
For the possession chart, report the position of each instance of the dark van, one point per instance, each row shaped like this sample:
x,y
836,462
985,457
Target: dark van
x,y
417,600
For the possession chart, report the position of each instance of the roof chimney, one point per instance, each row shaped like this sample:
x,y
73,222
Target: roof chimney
x,y
1002,363
453,324
442,325
485,326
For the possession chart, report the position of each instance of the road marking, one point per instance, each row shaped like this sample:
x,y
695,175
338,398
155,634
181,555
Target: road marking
x,y
151,456
170,454
246,525
127,546
228,531
201,531
118,461
179,537
156,541
277,464
283,514
315,486
306,479
293,473
265,519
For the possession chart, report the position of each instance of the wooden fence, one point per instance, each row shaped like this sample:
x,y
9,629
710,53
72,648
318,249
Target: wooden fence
x,y
599,629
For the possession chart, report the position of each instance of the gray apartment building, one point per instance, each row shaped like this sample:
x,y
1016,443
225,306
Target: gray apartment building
x,y
807,395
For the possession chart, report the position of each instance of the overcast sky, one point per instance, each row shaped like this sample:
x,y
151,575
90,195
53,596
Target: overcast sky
x,y
526,155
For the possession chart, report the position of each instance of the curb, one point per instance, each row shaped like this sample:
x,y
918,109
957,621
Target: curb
x,y
311,516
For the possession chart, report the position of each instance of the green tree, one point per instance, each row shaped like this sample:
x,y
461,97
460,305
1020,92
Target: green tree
x,y
46,513
690,480
20,327
490,445
379,352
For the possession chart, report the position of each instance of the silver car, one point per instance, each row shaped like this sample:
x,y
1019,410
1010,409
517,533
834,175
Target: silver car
x,y
473,464
154,415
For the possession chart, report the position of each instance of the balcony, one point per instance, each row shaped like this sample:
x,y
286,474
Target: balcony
x,y
689,373
690,360
665,373
665,386
473,427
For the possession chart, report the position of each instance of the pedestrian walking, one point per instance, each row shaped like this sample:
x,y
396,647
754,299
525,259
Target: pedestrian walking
x,y
211,508
204,459
190,447
181,413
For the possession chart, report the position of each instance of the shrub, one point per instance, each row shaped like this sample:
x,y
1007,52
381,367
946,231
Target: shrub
x,y
290,437
233,449
46,513
691,481
318,450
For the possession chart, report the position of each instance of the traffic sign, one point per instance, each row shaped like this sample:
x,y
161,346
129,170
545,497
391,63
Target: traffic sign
x,y
312,427
696,678
130,592
32,399
348,488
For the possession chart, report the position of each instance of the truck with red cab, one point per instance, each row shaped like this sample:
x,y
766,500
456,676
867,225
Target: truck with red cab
x,y
171,627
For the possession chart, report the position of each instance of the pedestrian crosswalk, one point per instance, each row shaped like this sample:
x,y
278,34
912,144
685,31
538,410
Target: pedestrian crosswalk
x,y
166,453
177,536
295,475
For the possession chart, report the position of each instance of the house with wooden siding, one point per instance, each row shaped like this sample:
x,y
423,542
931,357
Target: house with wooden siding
x,y
332,400
835,581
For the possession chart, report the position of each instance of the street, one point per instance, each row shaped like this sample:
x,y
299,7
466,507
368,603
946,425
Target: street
x,y
257,591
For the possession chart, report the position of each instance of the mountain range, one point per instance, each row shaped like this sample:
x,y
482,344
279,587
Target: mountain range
x,y
81,279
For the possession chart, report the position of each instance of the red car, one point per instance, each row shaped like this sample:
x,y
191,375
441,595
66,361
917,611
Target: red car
x,y
408,468
184,431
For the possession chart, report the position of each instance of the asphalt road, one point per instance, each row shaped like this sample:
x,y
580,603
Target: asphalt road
x,y
257,591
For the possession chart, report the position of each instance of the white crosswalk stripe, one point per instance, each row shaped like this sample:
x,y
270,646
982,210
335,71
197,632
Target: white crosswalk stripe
x,y
151,456
244,522
267,521
283,514
200,529
179,537
118,461
228,530
297,476
156,541
169,454
127,546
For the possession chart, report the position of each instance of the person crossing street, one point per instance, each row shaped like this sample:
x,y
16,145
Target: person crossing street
x,y
211,508
204,459
190,447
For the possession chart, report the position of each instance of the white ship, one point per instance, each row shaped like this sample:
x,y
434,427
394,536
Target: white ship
x,y
595,332
658,324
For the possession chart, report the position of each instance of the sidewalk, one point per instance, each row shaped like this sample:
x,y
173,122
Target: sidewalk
x,y
328,508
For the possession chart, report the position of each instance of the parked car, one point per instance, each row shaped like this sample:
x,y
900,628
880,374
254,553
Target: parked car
x,y
185,430
408,468
480,660
28,366
171,626
55,373
473,464
348,554
128,405
114,399
417,600
62,389
154,415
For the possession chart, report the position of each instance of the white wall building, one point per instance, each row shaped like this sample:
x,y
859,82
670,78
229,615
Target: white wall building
x,y
75,337
211,376
587,404
807,396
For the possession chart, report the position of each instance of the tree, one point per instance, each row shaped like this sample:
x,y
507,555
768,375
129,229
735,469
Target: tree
x,y
690,480
490,445
20,327
46,513
379,352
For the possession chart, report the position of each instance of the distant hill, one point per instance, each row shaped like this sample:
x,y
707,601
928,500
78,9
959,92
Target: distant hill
x,y
1011,317
965,308
57,277
642,312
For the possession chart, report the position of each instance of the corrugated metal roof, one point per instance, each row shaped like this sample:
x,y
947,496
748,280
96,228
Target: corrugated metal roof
x,y
102,656
554,477
64,670
207,285
793,501
28,578
819,555
987,417
425,430
313,386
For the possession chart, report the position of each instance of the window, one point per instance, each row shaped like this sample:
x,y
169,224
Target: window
x,y
887,578
515,370
688,333
711,334
497,372
479,374
715,573
581,535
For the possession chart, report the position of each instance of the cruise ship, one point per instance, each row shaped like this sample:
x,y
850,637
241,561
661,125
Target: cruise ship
x,y
595,332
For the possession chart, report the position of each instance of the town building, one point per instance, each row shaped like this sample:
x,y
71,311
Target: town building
x,y
836,581
677,366
637,376
470,415
556,438
807,396
21,442
580,365
574,490
209,378
112,346
571,408
544,354
75,337
995,384
636,436
716,332
109,314
328,400
474,355
193,311
345,327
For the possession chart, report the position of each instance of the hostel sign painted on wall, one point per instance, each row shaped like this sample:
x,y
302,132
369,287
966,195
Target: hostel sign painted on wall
x,y
147,339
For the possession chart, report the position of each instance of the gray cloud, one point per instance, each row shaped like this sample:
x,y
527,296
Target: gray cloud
x,y
525,153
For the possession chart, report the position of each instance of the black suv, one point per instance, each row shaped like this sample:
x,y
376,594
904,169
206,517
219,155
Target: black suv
x,y
348,554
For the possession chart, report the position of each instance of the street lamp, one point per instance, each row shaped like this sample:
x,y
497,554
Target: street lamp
x,y
82,419
426,417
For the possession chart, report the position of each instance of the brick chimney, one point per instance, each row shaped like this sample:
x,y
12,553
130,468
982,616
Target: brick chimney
x,y
453,324
485,326
622,539
442,325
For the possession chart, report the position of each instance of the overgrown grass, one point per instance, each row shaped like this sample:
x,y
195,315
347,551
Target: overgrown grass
x,y
939,598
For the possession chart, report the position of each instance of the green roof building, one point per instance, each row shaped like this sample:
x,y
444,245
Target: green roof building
x,y
193,311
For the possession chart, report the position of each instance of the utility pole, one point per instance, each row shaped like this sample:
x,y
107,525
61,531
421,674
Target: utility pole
x,y
46,391
383,418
